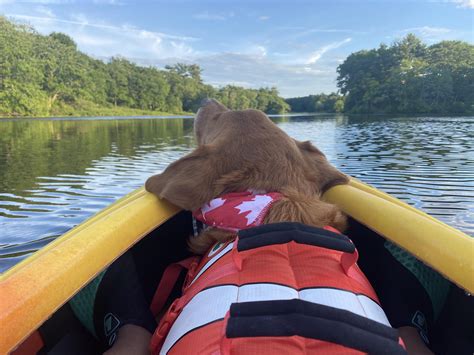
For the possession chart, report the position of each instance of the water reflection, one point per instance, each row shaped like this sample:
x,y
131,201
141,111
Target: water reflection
x,y
56,173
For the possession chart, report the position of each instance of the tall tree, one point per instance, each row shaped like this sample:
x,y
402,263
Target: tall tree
x,y
20,72
410,77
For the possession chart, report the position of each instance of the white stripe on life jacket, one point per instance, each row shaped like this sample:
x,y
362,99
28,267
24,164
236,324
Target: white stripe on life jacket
x,y
358,304
212,304
213,260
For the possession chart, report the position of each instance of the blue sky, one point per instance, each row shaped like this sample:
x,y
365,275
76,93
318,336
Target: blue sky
x,y
293,45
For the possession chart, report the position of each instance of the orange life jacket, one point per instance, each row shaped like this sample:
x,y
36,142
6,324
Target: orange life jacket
x,y
282,288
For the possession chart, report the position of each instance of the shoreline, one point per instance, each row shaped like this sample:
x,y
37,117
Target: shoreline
x,y
100,114
139,114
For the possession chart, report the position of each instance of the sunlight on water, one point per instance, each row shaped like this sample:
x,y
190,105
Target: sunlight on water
x,y
56,173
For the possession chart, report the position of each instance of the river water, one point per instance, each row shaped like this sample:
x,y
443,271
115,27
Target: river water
x,y
55,173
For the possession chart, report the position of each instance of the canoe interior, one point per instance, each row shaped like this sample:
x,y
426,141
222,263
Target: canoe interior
x,y
64,334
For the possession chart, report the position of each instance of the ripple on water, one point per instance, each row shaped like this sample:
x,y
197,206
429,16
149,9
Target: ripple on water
x,y
426,162
57,203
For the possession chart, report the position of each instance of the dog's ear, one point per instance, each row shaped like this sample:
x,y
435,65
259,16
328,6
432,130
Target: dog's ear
x,y
321,172
205,119
187,182
211,107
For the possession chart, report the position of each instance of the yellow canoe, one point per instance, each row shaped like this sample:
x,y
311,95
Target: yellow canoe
x,y
35,288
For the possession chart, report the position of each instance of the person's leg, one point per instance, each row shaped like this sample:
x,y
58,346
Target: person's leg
x,y
131,339
412,295
120,301
113,300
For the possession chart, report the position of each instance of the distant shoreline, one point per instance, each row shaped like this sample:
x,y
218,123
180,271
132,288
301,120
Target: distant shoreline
x,y
96,112
188,115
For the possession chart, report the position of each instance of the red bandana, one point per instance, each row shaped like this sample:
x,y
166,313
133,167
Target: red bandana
x,y
237,210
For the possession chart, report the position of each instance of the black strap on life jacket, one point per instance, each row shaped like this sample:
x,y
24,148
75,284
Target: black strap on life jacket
x,y
285,318
285,232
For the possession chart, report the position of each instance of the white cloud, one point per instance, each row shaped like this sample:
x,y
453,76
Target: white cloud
x,y
61,2
306,32
432,34
208,16
102,39
464,3
108,2
93,41
261,50
82,20
316,55
429,31
46,2
257,51
264,18
254,71
43,10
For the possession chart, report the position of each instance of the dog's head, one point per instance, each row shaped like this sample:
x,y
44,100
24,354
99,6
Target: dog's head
x,y
238,150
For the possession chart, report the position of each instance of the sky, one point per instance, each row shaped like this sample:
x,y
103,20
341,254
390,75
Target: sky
x,y
293,45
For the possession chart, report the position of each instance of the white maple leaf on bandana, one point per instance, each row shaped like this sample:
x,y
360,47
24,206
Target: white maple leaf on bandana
x,y
255,207
212,205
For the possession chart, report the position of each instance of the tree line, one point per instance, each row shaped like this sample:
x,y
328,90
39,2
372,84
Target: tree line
x,y
409,77
45,75
406,77
333,102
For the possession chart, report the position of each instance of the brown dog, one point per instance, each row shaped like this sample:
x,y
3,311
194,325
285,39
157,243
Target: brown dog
x,y
240,150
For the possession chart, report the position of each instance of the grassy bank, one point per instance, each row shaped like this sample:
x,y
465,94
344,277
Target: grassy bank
x,y
89,109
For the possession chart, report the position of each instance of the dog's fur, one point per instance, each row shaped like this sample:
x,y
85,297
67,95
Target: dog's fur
x,y
239,150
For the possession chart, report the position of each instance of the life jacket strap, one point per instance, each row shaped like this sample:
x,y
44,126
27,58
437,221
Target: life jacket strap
x,y
286,232
168,281
288,318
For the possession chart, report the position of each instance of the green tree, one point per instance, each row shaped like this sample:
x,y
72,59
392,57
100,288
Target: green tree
x,y
333,102
20,75
339,106
42,75
409,77
63,39
119,70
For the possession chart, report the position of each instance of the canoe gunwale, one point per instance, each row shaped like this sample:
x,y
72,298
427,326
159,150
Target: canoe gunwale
x,y
39,285
422,235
